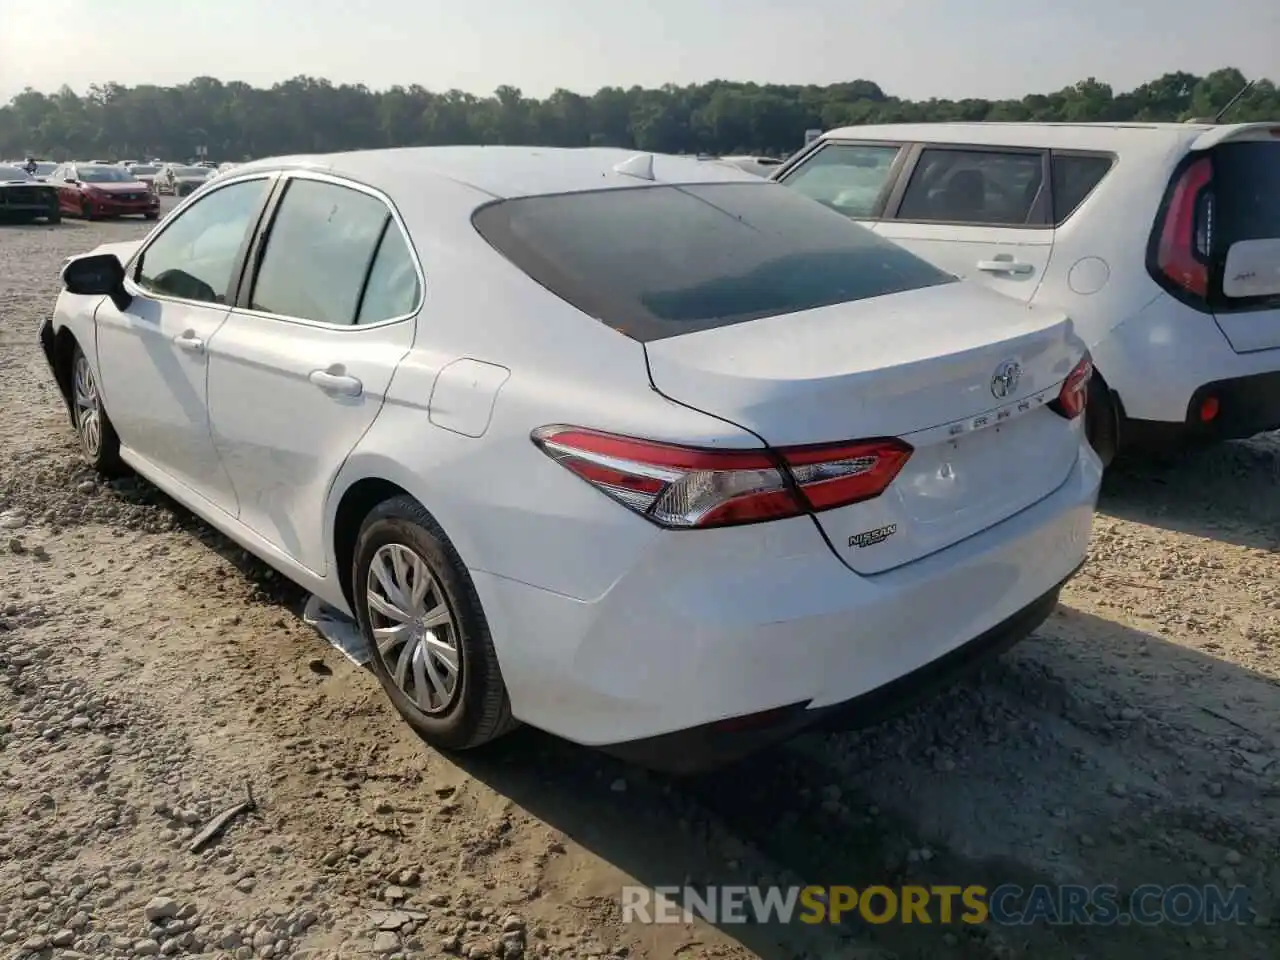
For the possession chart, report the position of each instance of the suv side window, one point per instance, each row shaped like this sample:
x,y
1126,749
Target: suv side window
x,y
1074,177
319,252
194,256
983,187
847,177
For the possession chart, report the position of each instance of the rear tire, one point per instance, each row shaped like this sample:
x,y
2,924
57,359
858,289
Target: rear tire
x,y
53,217
1102,421
458,711
151,216
98,439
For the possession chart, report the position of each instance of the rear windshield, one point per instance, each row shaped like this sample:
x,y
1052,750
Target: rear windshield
x,y
1246,180
666,260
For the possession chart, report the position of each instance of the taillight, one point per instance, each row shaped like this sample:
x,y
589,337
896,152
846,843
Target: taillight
x,y
1186,234
1075,390
691,487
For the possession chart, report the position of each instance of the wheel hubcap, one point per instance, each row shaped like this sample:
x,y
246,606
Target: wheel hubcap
x,y
88,407
413,630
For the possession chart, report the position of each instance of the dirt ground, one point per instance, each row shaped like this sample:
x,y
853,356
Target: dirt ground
x,y
151,674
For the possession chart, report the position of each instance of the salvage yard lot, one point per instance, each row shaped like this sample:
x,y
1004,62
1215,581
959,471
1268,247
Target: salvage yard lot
x,y
150,673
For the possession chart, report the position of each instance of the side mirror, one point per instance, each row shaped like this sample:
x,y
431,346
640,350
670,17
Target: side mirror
x,y
97,275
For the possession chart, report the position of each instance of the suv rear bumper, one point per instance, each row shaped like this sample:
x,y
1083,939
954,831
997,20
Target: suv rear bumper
x,y
1246,406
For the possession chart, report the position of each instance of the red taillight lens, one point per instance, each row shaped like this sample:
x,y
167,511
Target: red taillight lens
x,y
1075,390
1186,234
688,487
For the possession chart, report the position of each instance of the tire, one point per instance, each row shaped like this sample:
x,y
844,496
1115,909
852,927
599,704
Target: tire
x,y
97,435
151,216
475,709
1102,421
86,211
53,217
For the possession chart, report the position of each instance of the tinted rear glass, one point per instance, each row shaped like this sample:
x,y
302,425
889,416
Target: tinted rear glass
x,y
1247,188
662,261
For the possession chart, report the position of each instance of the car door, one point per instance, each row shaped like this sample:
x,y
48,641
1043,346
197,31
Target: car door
x,y
68,193
981,213
152,356
300,369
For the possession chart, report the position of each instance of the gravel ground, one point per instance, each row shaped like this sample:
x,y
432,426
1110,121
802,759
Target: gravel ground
x,y
151,674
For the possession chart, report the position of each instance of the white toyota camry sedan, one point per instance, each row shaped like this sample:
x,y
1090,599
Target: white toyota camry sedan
x,y
648,453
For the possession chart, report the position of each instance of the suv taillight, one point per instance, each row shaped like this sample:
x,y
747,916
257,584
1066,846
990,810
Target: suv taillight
x,y
691,487
1075,390
1186,232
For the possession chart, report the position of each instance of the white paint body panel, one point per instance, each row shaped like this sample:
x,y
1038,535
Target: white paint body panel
x,y
589,605
1093,266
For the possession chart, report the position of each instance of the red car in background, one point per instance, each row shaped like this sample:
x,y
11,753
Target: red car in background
x,y
92,190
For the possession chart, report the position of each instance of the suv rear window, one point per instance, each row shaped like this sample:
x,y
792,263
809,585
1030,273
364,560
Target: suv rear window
x,y
1246,179
666,260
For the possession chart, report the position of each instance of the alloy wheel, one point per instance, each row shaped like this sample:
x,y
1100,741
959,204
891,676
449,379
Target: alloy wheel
x,y
414,630
88,408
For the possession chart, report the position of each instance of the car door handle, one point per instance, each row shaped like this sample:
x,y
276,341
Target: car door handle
x,y
190,342
1002,265
338,384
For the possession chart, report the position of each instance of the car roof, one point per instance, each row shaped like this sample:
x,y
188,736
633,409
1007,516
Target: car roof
x,y
504,172
1078,136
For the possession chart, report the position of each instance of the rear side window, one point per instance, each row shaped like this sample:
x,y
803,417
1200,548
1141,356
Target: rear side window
x,y
319,251
1246,179
847,177
661,261
983,187
1074,178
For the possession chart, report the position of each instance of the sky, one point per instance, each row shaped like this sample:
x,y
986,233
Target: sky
x,y
915,49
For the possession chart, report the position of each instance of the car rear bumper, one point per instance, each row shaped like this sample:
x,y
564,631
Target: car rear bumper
x,y
716,626
1242,407
1165,361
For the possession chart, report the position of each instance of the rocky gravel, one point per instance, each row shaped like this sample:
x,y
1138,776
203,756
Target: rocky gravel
x,y
152,676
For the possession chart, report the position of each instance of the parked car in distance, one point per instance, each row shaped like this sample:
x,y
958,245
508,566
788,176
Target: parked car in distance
x,y
179,180
674,494
145,172
44,169
92,191
1161,241
24,199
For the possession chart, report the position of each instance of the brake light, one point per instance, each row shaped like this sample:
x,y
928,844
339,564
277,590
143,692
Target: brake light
x,y
1186,234
1074,394
690,487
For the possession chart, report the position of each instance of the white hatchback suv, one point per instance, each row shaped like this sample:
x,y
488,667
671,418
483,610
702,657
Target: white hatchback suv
x,y
1161,241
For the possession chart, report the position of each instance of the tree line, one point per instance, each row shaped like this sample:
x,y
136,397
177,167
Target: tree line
x,y
236,121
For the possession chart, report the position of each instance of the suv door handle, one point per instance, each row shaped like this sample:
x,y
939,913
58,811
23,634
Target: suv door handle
x,y
190,342
1006,264
338,384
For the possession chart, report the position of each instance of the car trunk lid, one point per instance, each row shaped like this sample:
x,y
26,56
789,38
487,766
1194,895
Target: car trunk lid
x,y
964,375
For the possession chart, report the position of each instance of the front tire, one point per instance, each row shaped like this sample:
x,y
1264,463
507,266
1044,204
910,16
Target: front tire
x,y
53,217
419,613
86,210
98,439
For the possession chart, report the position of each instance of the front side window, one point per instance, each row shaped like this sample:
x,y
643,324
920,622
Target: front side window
x,y
847,177
195,255
973,187
661,261
319,251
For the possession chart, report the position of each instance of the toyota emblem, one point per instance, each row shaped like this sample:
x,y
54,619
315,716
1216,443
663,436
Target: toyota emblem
x,y
1004,383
